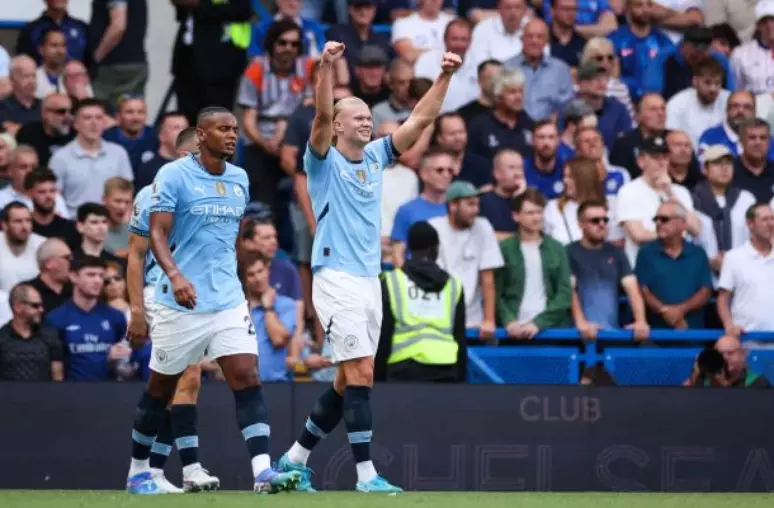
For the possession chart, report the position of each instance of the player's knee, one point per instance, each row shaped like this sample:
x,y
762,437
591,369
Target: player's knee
x,y
188,387
161,387
243,378
359,372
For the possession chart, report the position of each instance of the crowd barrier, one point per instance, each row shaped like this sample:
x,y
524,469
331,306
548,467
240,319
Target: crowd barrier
x,y
427,437
628,362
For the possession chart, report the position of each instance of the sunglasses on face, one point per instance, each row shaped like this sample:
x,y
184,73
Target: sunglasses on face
x,y
602,58
60,111
287,43
34,305
598,220
662,219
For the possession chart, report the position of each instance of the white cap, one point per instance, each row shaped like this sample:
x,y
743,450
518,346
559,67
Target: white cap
x,y
714,153
764,9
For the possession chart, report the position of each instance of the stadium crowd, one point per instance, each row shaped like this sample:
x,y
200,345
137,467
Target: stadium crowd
x,y
587,149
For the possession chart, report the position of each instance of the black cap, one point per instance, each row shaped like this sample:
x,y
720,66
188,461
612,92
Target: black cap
x,y
370,55
422,236
699,36
654,145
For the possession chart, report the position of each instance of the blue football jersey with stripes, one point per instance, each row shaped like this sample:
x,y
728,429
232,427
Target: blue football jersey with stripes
x,y
207,209
140,225
346,198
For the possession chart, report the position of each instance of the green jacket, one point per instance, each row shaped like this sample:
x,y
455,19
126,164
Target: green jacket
x,y
510,279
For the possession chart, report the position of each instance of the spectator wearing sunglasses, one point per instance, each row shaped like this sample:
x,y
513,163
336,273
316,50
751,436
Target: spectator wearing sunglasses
x,y
599,269
674,274
29,352
53,131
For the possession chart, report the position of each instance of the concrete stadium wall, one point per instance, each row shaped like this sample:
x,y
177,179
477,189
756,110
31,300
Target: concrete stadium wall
x,y
470,437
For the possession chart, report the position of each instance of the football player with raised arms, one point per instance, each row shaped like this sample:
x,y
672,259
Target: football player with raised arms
x,y
196,205
344,170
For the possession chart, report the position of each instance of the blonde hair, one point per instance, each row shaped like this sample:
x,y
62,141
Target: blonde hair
x,y
117,184
596,46
339,106
588,184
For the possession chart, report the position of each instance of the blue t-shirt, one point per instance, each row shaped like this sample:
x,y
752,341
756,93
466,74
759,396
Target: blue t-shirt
x,y
284,278
88,336
549,184
498,211
207,209
416,210
346,198
141,360
635,54
271,361
140,149
140,225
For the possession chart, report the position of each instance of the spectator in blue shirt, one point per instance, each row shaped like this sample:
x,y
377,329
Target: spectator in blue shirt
x,y
576,115
548,81
543,167
739,110
313,31
140,141
566,43
435,172
613,118
79,46
497,204
274,319
671,70
90,329
674,275
593,18
261,236
637,43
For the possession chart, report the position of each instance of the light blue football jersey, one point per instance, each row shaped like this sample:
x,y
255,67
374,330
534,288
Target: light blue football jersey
x,y
346,198
207,209
140,225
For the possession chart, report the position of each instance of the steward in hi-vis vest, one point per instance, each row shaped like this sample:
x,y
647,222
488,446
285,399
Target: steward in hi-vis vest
x,y
423,324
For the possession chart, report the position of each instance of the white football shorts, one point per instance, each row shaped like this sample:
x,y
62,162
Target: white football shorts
x,y
350,311
180,339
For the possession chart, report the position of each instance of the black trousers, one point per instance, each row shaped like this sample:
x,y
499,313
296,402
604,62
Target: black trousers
x,y
415,372
193,95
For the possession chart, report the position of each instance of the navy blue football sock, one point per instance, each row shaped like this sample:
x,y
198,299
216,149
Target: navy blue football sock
x,y
358,420
325,416
253,420
186,435
147,418
162,446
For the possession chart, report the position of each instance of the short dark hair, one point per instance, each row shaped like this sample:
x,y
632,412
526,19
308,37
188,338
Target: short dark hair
x,y
51,30
18,293
39,175
184,137
708,67
89,103
276,30
531,195
210,111
542,123
443,116
86,261
87,209
248,259
591,203
463,22
13,205
170,114
753,123
752,211
483,65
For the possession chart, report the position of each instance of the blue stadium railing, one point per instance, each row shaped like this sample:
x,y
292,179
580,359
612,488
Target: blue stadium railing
x,y
630,365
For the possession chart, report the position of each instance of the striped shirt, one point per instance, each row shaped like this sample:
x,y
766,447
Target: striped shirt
x,y
274,96
753,67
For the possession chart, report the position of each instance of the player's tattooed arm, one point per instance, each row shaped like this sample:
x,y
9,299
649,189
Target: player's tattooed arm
x,y
322,125
135,266
428,107
161,225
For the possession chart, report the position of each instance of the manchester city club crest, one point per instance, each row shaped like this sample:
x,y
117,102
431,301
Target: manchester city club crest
x,y
220,188
238,190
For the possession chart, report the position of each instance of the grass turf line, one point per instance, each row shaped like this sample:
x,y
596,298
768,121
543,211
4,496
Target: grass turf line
x,y
116,499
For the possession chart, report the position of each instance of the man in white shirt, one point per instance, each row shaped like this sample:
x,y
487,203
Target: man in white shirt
x,y
464,83
421,31
53,53
21,161
638,200
18,246
704,104
469,251
746,292
499,37
753,63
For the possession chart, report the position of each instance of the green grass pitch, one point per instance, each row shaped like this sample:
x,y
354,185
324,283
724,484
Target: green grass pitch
x,y
113,499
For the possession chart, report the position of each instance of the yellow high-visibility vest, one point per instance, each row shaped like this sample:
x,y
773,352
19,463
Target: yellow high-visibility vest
x,y
240,34
424,321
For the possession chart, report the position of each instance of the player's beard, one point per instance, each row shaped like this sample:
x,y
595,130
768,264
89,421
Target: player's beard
x,y
37,207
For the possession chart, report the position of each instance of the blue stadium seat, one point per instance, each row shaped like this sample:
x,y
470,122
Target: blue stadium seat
x,y
761,361
523,365
646,366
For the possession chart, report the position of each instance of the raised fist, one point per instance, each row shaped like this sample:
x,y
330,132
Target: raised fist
x,y
332,51
450,62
